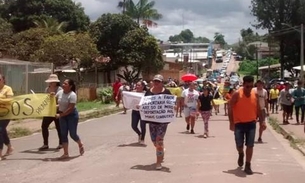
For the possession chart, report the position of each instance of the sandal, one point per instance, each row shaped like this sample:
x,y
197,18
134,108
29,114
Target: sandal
x,y
9,152
81,150
64,156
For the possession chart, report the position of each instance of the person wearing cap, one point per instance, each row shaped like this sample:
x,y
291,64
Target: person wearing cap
x,y
53,88
285,99
158,130
190,97
262,95
5,92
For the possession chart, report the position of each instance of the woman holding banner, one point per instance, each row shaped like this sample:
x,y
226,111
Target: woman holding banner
x,y
53,88
68,116
157,129
135,116
5,92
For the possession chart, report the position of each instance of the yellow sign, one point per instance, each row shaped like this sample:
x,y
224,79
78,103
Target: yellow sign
x,y
219,101
28,106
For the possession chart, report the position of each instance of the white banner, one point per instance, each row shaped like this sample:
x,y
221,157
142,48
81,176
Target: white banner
x,y
158,108
132,99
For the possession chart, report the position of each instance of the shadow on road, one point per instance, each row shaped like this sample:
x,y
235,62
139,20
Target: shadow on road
x,y
36,151
44,159
135,144
239,172
201,136
151,167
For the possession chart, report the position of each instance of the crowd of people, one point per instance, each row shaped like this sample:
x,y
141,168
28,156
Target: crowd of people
x,y
244,106
66,118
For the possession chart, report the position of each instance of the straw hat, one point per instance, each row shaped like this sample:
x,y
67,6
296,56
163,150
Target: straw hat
x,y
53,78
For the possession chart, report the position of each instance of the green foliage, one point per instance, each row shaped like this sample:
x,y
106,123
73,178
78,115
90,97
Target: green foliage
x,y
6,32
27,42
142,11
89,105
187,36
22,13
130,75
16,132
219,39
52,25
289,13
144,54
105,94
60,49
250,67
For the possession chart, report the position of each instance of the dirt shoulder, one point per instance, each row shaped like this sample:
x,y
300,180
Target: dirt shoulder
x,y
19,128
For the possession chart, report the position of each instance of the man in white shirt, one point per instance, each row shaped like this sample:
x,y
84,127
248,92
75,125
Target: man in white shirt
x,y
190,97
263,104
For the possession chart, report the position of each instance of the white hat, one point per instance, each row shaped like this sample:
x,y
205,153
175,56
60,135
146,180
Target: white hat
x,y
53,78
158,77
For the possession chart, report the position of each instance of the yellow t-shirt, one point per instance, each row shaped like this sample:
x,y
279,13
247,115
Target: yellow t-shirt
x,y
6,92
274,93
178,92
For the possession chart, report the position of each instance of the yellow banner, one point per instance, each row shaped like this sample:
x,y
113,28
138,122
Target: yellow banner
x,y
28,106
219,101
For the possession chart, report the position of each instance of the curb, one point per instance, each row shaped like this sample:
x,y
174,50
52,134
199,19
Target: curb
x,y
287,135
83,116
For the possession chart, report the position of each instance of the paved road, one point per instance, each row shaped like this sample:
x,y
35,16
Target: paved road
x,y
113,157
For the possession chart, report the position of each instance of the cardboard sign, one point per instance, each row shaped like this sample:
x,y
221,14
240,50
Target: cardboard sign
x,y
132,99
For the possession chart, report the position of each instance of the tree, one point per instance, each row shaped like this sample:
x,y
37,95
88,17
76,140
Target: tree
x,y
187,36
287,12
22,13
122,5
120,38
142,51
6,33
52,25
62,49
142,11
219,39
25,43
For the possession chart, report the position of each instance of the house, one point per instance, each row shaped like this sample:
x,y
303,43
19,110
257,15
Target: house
x,y
182,58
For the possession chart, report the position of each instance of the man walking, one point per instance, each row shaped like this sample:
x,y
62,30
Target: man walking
x,y
243,112
190,97
286,101
263,105
299,101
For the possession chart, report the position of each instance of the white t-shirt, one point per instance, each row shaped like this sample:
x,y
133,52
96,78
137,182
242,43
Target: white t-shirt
x,y
190,97
64,99
262,97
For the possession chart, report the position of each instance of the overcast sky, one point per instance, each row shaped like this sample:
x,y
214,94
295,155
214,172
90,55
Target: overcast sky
x,y
202,17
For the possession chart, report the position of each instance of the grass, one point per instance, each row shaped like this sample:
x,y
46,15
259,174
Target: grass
x,y
16,132
293,141
89,105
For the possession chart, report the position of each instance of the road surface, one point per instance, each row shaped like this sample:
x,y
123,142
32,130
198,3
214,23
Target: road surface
x,y
112,156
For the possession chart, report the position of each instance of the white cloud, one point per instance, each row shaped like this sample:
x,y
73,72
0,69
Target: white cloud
x,y
202,17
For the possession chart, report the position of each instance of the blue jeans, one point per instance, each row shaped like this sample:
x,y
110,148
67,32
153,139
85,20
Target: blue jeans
x,y
4,139
245,133
69,124
135,118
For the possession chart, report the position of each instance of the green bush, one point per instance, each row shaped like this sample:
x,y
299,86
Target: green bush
x,y
250,67
105,94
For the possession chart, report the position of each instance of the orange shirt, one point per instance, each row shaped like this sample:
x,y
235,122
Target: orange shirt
x,y
228,97
245,109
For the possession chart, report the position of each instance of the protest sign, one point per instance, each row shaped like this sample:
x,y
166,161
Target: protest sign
x,y
158,108
28,106
132,99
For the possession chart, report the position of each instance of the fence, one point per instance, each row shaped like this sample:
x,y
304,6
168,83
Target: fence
x,y
25,76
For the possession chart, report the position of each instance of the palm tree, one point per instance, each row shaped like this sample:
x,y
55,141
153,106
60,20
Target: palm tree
x,y
122,5
52,25
142,11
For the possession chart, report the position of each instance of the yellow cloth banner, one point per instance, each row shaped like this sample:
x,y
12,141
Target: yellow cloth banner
x,y
219,101
28,106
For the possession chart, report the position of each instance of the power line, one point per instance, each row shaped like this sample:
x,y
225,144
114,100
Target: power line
x,y
287,29
283,32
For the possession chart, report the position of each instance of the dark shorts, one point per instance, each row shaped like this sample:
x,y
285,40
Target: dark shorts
x,y
245,133
287,108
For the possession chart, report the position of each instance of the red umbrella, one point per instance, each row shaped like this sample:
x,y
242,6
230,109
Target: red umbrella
x,y
189,77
